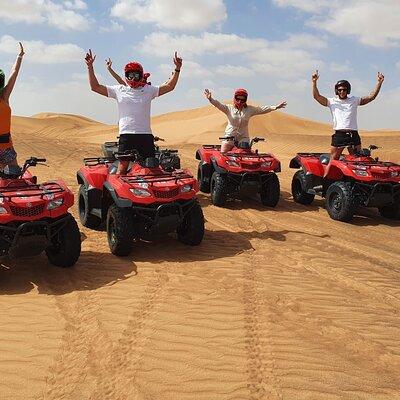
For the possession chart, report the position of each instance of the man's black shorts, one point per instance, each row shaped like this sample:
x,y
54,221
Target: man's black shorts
x,y
143,143
345,138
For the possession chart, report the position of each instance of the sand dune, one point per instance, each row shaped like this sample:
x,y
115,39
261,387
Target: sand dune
x,y
274,304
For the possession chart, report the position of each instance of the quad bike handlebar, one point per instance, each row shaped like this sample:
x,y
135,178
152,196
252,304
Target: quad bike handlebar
x,y
158,139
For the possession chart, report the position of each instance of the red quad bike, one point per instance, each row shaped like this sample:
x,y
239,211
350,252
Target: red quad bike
x,y
34,217
146,202
354,180
241,171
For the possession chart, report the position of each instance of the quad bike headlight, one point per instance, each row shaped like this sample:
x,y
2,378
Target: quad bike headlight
x,y
232,163
393,174
361,172
186,188
3,210
55,204
139,192
266,164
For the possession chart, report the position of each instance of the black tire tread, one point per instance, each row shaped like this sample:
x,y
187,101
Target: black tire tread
x,y
303,197
123,232
219,192
87,220
270,191
191,231
347,211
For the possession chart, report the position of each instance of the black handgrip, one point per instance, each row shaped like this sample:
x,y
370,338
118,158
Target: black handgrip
x,y
40,160
227,138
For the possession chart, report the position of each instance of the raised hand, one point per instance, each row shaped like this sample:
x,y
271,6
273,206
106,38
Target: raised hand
x,y
177,61
21,50
207,93
315,76
281,105
381,78
89,58
109,63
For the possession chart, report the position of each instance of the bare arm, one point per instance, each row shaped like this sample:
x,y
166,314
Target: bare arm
x,y
169,86
267,109
13,76
113,73
372,96
94,83
221,107
317,96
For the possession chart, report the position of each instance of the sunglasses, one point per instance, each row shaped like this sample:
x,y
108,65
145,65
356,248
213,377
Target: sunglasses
x,y
241,99
134,76
342,90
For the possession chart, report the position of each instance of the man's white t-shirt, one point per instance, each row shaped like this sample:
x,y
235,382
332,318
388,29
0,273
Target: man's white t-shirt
x,y
344,112
133,107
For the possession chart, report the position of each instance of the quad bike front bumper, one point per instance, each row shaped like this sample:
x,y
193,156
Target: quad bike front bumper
x,y
29,238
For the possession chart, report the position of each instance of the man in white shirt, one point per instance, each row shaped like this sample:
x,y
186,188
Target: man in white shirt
x,y
134,102
344,115
239,114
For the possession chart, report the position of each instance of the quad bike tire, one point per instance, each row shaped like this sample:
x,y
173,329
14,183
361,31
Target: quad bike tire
x,y
299,194
191,230
204,186
339,201
119,232
88,220
391,211
270,191
65,248
219,189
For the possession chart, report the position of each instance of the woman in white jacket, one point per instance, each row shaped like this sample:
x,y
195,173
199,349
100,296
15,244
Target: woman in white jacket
x,y
239,115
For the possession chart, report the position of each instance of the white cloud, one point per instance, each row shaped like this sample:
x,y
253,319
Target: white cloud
x,y
190,69
340,67
233,70
113,27
374,23
61,16
171,14
38,52
398,65
164,44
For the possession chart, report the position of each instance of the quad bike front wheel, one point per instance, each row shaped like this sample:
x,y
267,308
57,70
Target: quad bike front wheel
x,y
119,231
219,189
65,247
340,201
298,185
270,191
204,185
191,230
88,220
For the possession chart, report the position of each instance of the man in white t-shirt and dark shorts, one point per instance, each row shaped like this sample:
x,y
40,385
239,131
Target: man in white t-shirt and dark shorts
x,y
344,115
134,103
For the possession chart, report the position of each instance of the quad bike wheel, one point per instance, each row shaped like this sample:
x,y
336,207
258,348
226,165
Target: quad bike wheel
x,y
299,194
119,232
191,230
88,220
340,201
204,186
391,211
270,191
219,189
65,248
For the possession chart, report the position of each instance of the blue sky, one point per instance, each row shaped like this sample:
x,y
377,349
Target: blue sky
x,y
270,47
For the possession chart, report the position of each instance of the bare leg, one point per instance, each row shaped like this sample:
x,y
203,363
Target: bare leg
x,y
336,152
226,146
122,167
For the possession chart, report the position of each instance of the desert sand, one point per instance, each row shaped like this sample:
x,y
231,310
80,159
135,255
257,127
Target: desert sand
x,y
277,303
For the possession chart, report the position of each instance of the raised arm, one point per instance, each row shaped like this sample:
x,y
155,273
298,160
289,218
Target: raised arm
x,y
14,74
94,83
372,96
221,107
113,73
267,109
321,99
169,86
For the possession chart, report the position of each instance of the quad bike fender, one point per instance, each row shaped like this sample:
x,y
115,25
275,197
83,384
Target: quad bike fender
x,y
94,180
122,203
204,155
217,168
295,163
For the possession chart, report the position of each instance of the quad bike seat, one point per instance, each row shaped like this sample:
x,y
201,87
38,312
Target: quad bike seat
x,y
150,162
11,172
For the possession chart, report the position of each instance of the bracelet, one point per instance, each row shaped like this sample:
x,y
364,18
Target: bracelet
x,y
177,70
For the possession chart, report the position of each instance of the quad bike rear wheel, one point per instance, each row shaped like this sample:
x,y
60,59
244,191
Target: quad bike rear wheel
x,y
391,211
298,185
191,230
119,231
270,191
204,185
219,189
65,247
340,201
88,220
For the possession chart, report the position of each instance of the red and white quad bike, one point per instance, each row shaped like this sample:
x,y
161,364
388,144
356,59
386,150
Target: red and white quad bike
x,y
34,217
354,180
240,171
146,202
